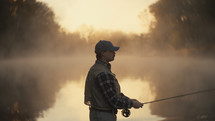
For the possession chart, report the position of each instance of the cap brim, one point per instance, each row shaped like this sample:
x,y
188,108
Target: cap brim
x,y
115,48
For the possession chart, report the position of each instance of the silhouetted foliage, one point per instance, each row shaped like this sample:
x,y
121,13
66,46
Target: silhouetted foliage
x,y
24,23
182,27
186,26
28,27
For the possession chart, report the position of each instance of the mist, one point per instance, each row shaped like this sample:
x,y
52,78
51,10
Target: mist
x,y
172,76
176,56
29,86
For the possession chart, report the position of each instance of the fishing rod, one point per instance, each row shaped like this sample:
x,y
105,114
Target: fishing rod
x,y
126,112
191,93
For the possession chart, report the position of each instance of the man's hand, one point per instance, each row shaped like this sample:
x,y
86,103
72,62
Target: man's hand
x,y
136,104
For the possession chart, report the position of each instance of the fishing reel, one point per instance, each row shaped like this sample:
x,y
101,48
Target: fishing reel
x,y
126,112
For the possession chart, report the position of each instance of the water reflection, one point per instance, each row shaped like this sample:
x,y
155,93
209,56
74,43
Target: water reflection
x,y
47,89
28,87
69,104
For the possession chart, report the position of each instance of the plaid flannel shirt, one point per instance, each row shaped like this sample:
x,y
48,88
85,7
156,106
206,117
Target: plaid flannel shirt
x,y
106,82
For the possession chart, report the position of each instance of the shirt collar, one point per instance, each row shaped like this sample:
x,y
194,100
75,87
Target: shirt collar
x,y
108,65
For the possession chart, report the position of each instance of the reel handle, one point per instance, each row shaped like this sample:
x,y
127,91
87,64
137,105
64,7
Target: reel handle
x,y
126,112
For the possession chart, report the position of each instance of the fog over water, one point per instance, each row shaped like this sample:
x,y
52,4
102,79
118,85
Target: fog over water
x,y
29,86
173,76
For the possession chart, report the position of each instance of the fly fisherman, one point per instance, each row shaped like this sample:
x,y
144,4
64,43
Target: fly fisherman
x,y
102,90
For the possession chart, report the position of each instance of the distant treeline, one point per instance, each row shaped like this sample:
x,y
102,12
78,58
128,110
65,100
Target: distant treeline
x,y
181,27
186,26
28,27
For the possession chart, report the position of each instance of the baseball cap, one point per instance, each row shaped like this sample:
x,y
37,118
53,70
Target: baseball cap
x,y
104,45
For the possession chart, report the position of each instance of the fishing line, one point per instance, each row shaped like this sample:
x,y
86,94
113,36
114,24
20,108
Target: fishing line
x,y
126,112
182,95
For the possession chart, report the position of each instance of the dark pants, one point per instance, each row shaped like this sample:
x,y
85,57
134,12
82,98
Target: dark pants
x,y
98,115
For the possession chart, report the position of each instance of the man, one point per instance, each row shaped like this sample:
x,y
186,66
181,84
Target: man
x,y
102,90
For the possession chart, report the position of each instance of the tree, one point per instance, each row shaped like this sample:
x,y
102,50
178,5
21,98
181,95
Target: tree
x,y
184,25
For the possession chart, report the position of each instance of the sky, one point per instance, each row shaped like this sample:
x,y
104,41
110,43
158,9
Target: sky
x,y
116,15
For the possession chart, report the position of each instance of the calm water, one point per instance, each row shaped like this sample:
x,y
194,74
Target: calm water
x,y
51,89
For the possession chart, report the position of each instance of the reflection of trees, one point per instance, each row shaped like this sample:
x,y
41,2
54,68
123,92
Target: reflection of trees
x,y
28,88
170,77
25,94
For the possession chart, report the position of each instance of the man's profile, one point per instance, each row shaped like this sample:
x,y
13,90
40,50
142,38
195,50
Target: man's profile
x,y
102,90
